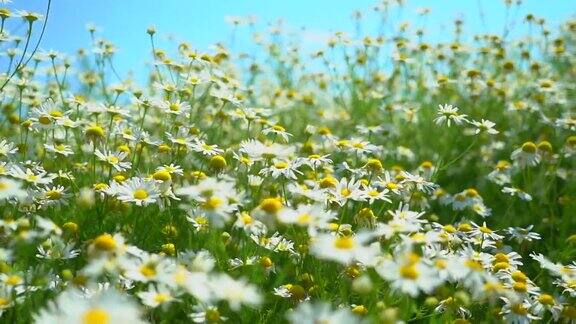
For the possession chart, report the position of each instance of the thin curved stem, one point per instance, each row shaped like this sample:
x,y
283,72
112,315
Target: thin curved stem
x,y
19,66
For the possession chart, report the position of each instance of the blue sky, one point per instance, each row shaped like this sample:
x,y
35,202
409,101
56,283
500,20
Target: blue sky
x,y
202,23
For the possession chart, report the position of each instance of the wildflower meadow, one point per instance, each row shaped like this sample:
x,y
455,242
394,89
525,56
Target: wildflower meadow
x,y
378,178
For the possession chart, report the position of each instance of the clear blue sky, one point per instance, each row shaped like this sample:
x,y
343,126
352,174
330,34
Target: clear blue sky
x,y
202,23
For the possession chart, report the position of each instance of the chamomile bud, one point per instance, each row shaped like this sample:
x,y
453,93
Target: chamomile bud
x,y
362,284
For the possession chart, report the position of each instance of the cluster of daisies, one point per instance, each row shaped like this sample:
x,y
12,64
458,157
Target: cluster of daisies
x,y
393,180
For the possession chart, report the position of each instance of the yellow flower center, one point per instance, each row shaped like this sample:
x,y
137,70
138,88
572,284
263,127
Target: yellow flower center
x,y
520,287
546,299
212,316
95,131
44,120
519,309
113,159
474,265
56,114
500,257
409,272
472,193
148,271
373,193
162,175
304,218
13,280
53,194
529,147
105,242
449,228
328,182
440,264
246,219
96,316
344,243
161,298
519,276
281,165
212,203
31,178
345,192
271,205
140,194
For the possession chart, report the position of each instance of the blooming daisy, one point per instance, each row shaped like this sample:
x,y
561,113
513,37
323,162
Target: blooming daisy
x,y
139,191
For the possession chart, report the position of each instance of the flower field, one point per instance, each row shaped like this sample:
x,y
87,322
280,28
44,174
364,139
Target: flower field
x,y
379,178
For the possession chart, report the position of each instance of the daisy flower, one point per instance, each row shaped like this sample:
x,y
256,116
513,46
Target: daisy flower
x,y
347,190
521,234
11,189
484,126
526,155
176,107
235,292
154,297
114,159
286,168
320,312
206,314
205,149
40,177
447,114
7,148
60,149
139,191
277,130
107,306
409,274
311,216
517,192
344,248
315,161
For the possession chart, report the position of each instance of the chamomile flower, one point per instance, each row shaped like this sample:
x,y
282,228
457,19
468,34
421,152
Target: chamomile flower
x,y
311,313
175,107
311,216
409,274
136,190
205,149
114,159
526,155
447,114
11,189
53,195
347,190
155,297
521,234
517,192
235,292
40,177
59,149
285,168
108,306
206,314
484,126
277,130
7,148
344,248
